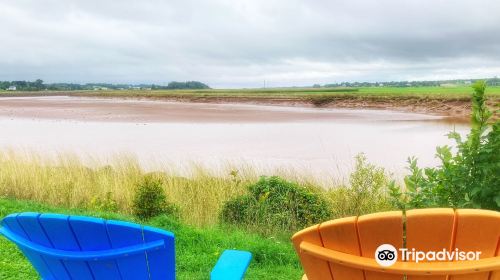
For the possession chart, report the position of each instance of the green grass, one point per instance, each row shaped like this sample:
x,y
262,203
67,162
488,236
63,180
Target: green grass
x,y
462,91
197,250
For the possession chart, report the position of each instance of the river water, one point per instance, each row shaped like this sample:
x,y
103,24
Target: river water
x,y
321,142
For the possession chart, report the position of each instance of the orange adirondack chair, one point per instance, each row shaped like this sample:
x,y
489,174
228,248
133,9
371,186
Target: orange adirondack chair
x,y
344,249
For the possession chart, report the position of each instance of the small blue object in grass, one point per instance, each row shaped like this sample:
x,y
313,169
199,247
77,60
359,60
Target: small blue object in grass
x,y
232,265
76,247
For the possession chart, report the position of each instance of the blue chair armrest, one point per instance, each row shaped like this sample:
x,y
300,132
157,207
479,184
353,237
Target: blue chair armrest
x,y
82,255
232,265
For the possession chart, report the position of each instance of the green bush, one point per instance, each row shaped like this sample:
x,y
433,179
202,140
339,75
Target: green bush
x,y
106,203
468,176
367,191
274,204
150,199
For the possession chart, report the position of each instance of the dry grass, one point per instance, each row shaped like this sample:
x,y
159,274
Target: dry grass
x,y
198,192
66,181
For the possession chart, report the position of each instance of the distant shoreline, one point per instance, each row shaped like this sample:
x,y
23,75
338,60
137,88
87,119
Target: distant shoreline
x,y
458,110
146,110
454,107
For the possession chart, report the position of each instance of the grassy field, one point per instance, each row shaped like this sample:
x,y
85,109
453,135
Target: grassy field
x,y
430,92
293,93
196,250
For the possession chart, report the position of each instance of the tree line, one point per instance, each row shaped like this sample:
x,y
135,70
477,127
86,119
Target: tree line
x,y
39,85
491,82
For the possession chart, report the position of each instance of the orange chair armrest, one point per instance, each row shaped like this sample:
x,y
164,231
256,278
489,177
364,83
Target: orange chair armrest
x,y
408,268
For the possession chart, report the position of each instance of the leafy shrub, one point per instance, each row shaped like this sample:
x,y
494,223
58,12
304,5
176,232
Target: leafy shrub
x,y
150,199
467,177
366,193
106,203
274,204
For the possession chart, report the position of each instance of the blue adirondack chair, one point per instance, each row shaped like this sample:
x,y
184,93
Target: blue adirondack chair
x,y
76,247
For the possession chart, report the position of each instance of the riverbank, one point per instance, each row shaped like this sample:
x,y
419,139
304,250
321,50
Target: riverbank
x,y
452,102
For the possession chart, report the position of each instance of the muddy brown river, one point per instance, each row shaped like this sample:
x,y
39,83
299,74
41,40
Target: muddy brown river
x,y
321,142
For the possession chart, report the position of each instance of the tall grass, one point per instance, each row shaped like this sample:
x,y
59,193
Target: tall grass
x,y
199,195
366,193
66,181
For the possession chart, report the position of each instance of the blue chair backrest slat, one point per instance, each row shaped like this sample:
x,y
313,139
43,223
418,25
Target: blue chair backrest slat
x,y
161,262
36,259
61,236
91,234
35,232
123,234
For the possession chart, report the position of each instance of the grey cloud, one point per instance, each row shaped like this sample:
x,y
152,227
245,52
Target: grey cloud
x,y
241,43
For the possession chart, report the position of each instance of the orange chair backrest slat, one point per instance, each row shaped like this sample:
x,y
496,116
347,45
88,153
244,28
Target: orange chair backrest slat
x,y
477,231
342,235
345,245
314,268
429,230
377,229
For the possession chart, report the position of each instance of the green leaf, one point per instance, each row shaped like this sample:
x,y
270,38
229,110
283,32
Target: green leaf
x,y
497,200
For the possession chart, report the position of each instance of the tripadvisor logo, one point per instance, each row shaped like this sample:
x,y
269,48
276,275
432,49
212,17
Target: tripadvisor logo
x,y
386,255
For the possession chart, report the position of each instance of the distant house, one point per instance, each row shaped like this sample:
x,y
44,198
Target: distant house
x,y
12,88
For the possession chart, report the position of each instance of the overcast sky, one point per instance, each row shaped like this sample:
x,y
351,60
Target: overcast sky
x,y
234,43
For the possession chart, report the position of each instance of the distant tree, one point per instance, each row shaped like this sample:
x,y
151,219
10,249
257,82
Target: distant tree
x,y
20,84
187,85
4,84
38,84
